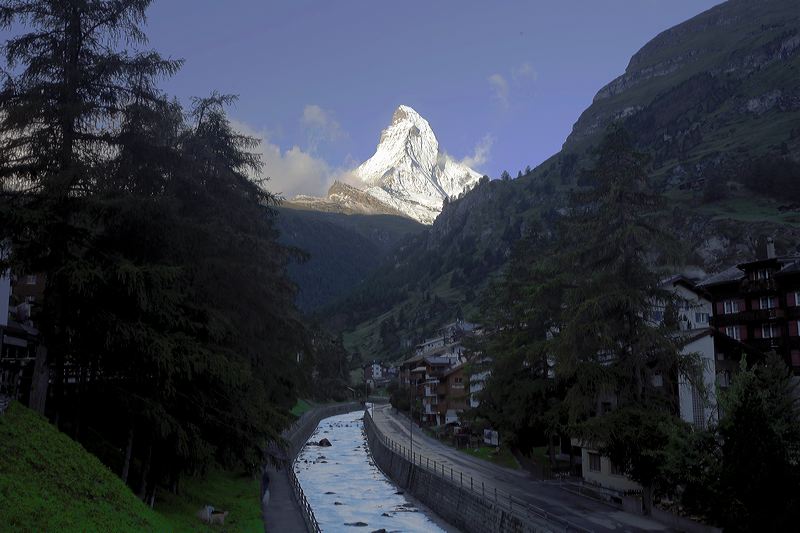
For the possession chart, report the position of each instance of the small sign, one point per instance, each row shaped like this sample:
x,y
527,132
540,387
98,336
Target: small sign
x,y
491,437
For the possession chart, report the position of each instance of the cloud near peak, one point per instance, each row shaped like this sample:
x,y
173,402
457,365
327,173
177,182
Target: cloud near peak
x,y
481,153
320,126
290,172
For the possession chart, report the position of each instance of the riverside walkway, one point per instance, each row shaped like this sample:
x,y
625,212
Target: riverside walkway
x,y
286,508
585,513
282,512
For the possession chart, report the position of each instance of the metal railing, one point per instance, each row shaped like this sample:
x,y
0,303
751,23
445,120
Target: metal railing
x,y
513,505
296,436
308,513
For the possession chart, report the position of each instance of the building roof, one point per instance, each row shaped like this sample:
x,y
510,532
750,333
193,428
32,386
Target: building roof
x,y
726,276
787,264
434,360
453,370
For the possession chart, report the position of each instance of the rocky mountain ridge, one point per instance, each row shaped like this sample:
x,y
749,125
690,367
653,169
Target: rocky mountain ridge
x,y
409,174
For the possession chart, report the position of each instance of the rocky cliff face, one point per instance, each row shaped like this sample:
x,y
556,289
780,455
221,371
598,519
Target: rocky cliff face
x,y
345,199
726,81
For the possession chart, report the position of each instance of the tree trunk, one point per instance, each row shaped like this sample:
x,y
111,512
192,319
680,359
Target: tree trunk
x,y
41,379
647,499
128,451
146,472
152,499
80,389
58,386
550,452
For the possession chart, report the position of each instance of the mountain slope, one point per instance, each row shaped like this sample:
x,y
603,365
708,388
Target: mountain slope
x,y
343,248
707,100
410,172
345,199
721,86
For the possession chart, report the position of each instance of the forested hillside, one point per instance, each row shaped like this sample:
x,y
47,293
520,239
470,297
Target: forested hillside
x,y
340,249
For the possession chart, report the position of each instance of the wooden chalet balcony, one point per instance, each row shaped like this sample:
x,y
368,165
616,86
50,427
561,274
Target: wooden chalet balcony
x,y
768,314
759,285
766,345
758,315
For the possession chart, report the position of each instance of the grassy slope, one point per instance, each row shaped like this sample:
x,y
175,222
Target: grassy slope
x,y
229,491
50,483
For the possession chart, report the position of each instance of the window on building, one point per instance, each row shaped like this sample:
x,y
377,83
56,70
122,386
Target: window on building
x,y
731,306
594,462
615,470
768,302
458,383
733,332
770,331
700,318
797,298
30,280
763,273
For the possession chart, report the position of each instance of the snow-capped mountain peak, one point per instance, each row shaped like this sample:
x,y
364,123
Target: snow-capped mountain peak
x,y
410,172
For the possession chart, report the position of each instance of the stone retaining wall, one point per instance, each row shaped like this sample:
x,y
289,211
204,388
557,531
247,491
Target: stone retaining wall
x,y
463,507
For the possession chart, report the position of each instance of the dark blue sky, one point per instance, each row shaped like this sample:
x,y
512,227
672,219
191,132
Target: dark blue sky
x,y
319,80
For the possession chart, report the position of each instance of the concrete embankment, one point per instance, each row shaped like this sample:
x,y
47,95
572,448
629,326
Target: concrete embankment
x,y
458,504
284,506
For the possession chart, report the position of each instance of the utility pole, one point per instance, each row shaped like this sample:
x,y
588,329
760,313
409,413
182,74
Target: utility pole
x,y
411,419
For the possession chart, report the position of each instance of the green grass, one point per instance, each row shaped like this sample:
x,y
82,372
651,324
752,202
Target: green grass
x,y
228,491
504,458
48,482
301,407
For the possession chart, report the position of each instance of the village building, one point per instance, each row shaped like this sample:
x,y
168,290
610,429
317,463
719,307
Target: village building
x,y
19,338
435,375
757,304
747,311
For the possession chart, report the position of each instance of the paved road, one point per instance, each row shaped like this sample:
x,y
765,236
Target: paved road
x,y
548,495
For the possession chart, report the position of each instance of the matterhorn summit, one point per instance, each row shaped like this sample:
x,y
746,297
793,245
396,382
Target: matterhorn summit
x,y
409,172
407,176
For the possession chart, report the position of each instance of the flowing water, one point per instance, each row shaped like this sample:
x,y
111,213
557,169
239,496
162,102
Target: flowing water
x,y
346,489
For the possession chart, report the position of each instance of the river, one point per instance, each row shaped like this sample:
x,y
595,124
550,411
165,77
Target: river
x,y
347,490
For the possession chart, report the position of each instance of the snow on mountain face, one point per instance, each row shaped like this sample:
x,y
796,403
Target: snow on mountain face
x,y
409,172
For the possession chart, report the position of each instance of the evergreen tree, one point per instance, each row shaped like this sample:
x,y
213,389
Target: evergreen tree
x,y
63,96
167,298
520,315
760,444
609,354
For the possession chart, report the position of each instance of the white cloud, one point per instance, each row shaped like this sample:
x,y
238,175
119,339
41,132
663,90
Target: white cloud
x,y
481,153
524,73
499,86
320,126
290,172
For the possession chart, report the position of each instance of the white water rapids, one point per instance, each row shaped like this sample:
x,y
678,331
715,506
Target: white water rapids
x,y
346,489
